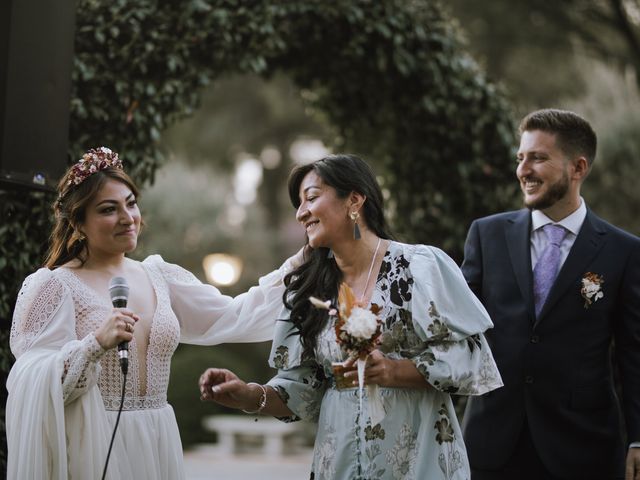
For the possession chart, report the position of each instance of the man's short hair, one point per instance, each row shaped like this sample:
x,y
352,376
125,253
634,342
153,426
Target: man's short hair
x,y
574,135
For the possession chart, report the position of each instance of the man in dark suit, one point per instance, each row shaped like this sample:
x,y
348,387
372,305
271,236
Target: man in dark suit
x,y
561,286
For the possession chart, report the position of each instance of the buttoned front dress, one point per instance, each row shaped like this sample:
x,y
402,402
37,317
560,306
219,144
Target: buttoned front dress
x,y
429,317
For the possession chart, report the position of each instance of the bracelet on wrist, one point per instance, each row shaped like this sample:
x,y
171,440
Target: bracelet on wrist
x,y
263,399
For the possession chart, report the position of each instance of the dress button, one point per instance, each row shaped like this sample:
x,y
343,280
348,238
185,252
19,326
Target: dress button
x,y
528,379
535,339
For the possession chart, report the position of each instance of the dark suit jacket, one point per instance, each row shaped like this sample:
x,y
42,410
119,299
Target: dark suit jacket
x,y
556,368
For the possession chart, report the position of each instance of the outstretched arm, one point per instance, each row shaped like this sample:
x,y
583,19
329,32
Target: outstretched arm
x,y
224,387
207,317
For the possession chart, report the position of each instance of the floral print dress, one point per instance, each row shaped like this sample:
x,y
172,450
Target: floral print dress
x,y
430,317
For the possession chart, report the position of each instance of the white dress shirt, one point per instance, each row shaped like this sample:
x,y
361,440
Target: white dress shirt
x,y
572,223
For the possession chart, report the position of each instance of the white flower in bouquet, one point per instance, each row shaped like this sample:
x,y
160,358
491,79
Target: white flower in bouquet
x,y
357,329
361,324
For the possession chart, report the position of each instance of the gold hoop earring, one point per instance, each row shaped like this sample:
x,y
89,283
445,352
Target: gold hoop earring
x,y
356,228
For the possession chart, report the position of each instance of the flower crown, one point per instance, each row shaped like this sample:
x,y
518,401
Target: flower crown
x,y
91,162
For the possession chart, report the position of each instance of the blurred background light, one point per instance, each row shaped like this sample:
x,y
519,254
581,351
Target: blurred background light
x,y
246,180
222,269
271,157
307,150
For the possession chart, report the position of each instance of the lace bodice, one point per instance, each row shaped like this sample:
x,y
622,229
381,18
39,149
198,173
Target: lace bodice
x,y
57,312
57,425
90,311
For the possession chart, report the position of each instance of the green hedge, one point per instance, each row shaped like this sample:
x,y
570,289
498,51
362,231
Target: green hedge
x,y
388,75
22,245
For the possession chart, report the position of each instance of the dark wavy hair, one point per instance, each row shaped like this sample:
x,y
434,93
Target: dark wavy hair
x,y
320,276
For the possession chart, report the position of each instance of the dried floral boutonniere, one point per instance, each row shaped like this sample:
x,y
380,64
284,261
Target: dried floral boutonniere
x,y
357,330
591,289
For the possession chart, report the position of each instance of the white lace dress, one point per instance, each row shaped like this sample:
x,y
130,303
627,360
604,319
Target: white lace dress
x,y
64,389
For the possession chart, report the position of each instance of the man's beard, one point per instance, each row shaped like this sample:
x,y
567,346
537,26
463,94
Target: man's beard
x,y
555,192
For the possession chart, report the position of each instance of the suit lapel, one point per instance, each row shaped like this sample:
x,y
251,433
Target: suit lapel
x,y
590,239
517,233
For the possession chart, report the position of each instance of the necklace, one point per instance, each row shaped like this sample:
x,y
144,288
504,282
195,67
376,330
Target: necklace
x,y
373,260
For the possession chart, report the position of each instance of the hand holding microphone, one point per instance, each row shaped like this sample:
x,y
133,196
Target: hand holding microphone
x,y
119,293
118,327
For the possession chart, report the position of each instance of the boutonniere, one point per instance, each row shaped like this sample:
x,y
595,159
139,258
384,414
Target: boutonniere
x,y
591,289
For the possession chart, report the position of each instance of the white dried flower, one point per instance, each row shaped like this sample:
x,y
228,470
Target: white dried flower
x,y
316,302
361,324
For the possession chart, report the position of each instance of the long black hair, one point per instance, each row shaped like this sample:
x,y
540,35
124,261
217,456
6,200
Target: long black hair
x,y
320,276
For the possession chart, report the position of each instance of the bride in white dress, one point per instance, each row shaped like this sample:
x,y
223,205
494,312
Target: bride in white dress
x,y
65,387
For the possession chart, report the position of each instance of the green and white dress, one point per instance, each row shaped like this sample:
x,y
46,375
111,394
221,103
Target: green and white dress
x,y
429,316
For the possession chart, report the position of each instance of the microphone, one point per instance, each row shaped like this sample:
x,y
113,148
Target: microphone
x,y
119,293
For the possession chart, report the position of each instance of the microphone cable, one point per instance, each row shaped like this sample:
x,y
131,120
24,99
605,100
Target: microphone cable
x,y
113,436
119,293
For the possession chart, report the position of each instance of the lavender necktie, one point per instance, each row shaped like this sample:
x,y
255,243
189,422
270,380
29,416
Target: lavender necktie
x,y
546,270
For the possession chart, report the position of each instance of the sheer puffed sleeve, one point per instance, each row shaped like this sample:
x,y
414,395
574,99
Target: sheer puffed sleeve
x,y
449,318
55,422
207,317
300,382
44,320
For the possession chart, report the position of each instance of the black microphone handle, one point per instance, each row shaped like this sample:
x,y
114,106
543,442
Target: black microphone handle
x,y
119,302
123,347
123,354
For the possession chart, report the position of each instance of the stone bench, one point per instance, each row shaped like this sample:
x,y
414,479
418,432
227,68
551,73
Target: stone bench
x,y
236,432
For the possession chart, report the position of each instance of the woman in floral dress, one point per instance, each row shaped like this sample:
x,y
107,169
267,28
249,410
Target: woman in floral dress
x,y
431,345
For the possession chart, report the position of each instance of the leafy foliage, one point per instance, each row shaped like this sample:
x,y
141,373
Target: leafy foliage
x,y
397,87
388,75
538,48
499,34
22,244
611,103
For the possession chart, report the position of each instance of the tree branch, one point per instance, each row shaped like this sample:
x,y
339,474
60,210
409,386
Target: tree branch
x,y
627,31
